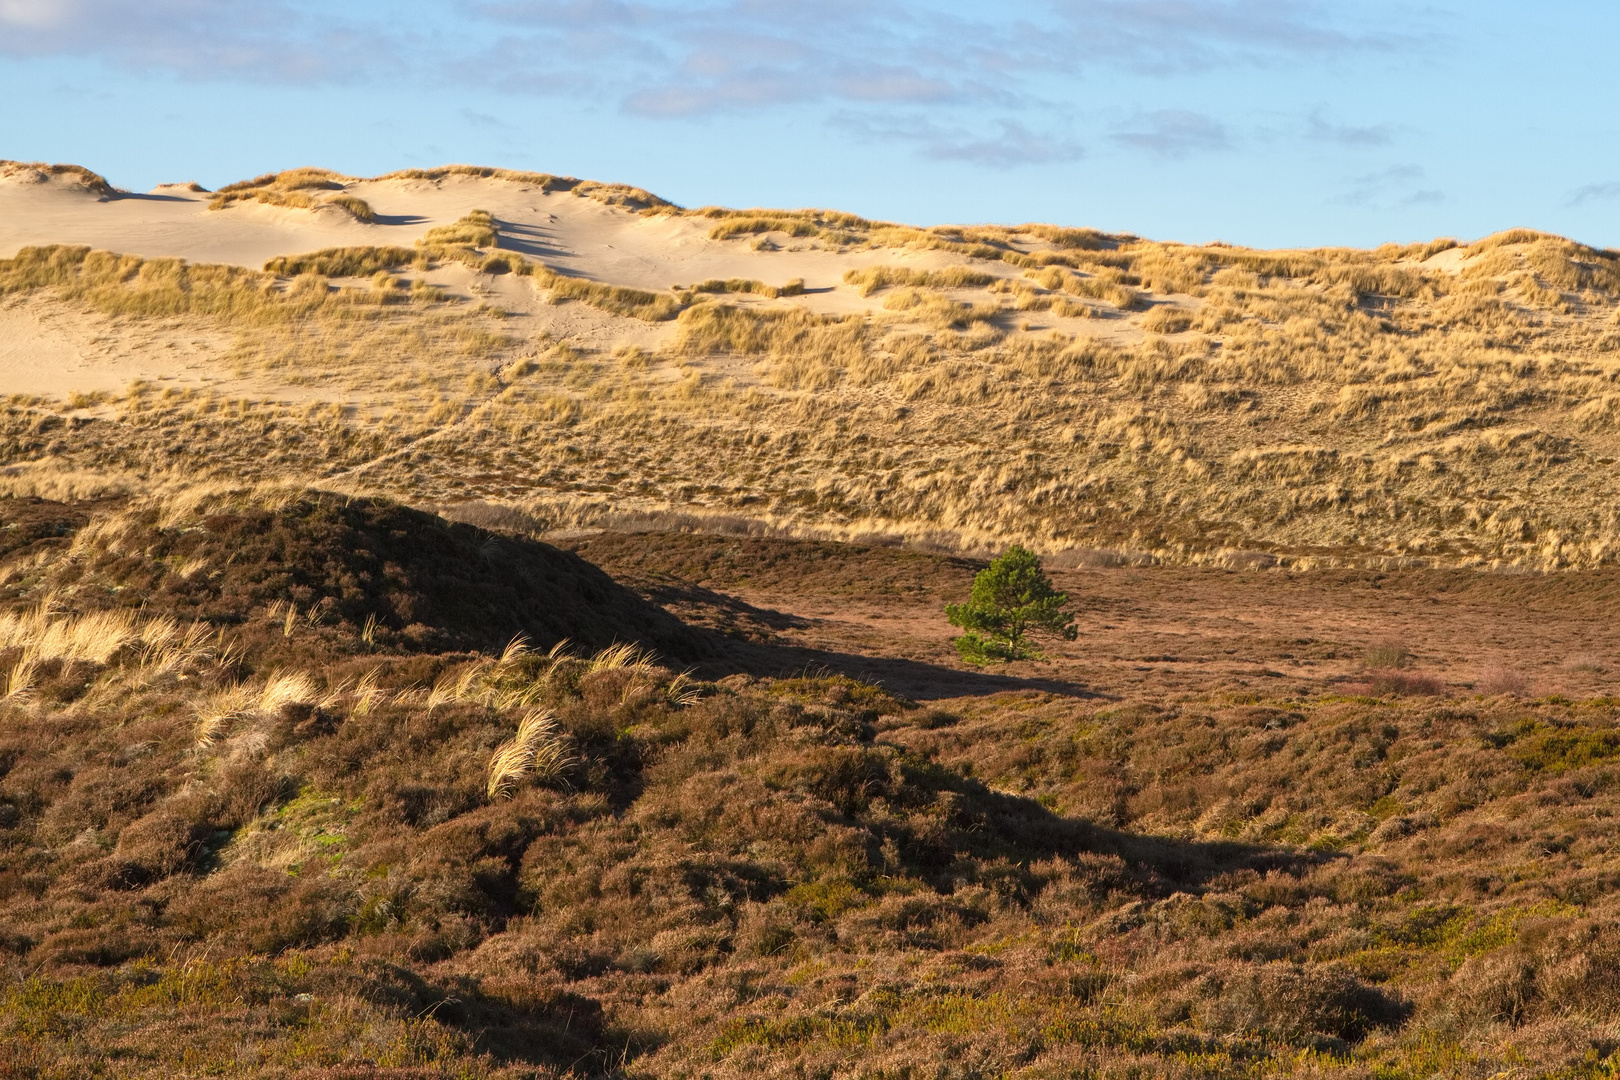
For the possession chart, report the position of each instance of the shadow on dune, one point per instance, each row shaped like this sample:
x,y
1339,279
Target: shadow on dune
x,y
398,219
529,240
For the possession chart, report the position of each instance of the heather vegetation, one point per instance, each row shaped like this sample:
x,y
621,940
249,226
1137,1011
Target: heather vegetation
x,y
301,785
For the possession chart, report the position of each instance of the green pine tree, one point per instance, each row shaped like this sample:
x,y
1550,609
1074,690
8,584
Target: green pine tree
x,y
1011,597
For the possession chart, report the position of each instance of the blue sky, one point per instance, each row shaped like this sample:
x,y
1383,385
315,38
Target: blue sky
x,y
1265,122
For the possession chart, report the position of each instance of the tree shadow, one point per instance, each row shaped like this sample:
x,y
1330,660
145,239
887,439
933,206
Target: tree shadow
x,y
1157,866
916,680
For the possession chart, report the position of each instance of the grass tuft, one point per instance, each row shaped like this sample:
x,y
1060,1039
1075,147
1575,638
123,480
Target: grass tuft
x,y
538,752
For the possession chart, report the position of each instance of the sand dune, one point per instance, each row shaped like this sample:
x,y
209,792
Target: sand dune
x,y
572,234
576,236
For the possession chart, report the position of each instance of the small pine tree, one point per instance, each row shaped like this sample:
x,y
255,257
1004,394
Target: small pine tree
x,y
1011,597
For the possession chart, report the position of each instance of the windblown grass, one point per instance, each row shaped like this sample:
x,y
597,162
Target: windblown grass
x,y
538,752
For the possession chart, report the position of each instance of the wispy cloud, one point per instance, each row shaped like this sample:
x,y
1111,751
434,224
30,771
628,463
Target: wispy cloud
x,y
1396,186
1173,133
1594,193
677,59
268,40
1181,35
958,83
1320,129
1004,143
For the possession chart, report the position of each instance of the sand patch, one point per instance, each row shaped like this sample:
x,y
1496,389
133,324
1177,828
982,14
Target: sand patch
x,y
50,350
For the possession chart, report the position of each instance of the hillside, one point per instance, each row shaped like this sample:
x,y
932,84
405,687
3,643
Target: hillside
x,y
301,836
588,354
489,625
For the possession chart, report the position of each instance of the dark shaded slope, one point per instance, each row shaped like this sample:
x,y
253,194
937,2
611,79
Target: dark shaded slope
x,y
425,582
800,566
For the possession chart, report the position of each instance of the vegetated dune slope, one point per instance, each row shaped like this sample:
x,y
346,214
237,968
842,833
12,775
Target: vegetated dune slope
x,y
314,835
814,372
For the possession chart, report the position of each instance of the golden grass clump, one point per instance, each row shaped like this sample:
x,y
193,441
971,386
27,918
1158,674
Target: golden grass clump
x,y
747,226
1166,319
158,646
778,333
1105,283
341,262
937,311
538,752
1072,239
873,278
217,712
292,188
749,285
476,229
95,637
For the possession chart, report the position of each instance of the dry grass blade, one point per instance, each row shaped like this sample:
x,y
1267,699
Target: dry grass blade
x,y
96,637
539,751
515,650
623,656
21,678
289,688
169,648
220,710
682,690
367,693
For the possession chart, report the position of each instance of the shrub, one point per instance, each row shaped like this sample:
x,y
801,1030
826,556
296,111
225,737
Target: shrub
x,y
1404,684
1502,680
1386,655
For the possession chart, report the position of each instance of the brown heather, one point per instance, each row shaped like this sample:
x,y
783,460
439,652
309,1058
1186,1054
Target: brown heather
x,y
356,826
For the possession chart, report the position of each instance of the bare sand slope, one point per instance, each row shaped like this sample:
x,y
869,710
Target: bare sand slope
x,y
55,353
